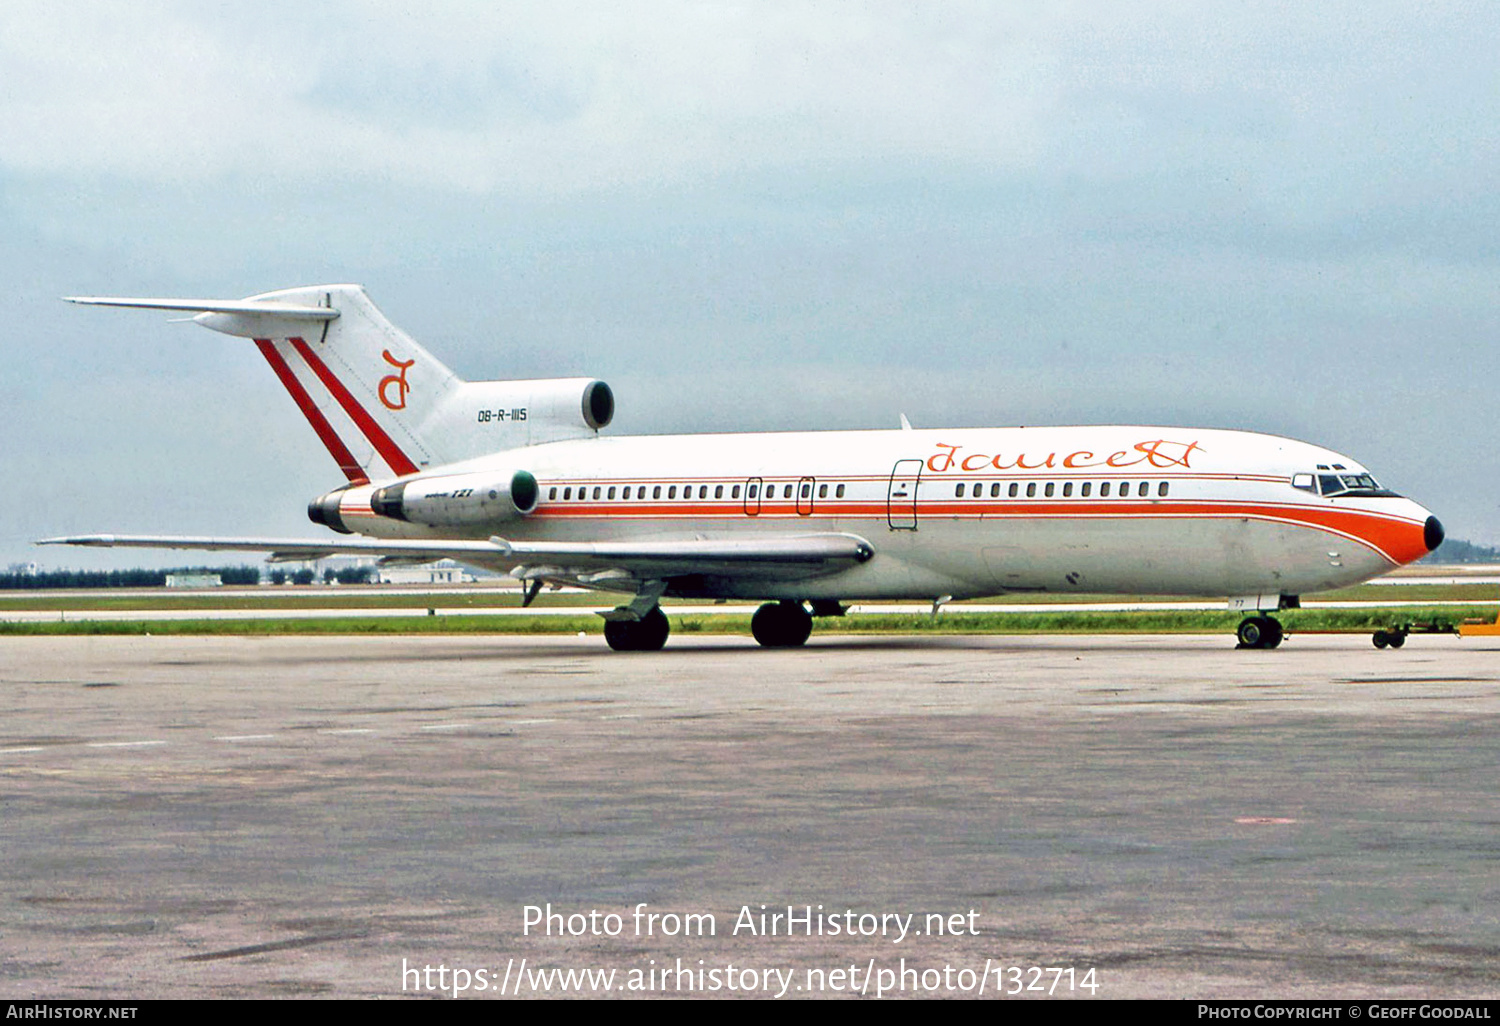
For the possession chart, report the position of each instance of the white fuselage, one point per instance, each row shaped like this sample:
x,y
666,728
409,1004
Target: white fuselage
x,y
966,512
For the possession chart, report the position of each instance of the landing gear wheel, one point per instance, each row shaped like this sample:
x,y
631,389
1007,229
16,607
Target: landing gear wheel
x,y
648,634
1259,632
1397,639
1380,639
781,625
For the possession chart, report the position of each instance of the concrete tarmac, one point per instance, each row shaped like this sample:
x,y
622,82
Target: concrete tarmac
x,y
295,816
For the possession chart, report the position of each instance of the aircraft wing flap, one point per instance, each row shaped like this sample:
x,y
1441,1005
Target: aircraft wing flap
x,y
797,549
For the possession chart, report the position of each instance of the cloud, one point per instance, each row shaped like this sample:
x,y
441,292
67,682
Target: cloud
x,y
481,98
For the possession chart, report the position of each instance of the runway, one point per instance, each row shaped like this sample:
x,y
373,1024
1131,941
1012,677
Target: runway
x,y
315,612
295,816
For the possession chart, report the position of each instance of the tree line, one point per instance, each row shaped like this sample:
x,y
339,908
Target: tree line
x,y
1455,550
139,578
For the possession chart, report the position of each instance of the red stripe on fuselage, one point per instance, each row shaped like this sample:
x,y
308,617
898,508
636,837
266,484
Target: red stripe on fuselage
x,y
329,437
1396,538
389,450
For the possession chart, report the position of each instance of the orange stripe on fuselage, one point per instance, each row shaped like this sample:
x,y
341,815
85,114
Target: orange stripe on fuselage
x,y
1398,539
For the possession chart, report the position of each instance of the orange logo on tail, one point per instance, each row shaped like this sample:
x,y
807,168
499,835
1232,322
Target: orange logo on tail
x,y
399,380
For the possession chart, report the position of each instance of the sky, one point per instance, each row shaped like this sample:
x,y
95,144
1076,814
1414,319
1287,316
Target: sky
x,y
1272,216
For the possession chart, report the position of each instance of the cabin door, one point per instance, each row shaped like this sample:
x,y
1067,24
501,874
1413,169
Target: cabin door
x,y
901,496
752,496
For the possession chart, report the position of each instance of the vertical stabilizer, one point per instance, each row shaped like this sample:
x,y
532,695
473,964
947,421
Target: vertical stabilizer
x,y
382,405
366,387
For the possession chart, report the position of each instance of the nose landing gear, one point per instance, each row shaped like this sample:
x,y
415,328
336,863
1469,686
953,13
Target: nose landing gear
x,y
1259,632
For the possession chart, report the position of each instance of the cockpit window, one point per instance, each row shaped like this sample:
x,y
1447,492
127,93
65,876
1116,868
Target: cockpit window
x,y
1350,484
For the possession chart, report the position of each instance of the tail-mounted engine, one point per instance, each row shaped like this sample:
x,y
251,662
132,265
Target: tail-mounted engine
x,y
481,417
440,500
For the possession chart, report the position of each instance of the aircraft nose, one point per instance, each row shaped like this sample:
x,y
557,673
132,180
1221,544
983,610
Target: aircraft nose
x,y
1433,533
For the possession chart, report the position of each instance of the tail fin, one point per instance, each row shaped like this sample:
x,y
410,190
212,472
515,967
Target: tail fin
x,y
381,404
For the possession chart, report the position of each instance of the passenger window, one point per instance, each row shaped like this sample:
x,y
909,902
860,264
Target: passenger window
x,y
1161,489
596,491
552,493
1050,488
718,491
672,492
838,492
1088,486
1104,489
567,494
1124,491
734,493
656,492
1031,490
822,491
611,494
959,492
995,490
806,491
1067,489
1144,490
787,492
754,489
1014,488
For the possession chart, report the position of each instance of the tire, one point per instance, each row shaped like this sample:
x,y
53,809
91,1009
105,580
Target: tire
x,y
1273,633
1397,639
781,625
652,630
648,634
1251,632
1381,639
619,635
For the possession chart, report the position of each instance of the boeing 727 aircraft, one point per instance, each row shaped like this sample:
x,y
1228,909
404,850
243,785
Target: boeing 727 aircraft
x,y
514,476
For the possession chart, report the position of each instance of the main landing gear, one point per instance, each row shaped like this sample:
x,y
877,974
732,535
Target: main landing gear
x,y
648,634
781,624
1259,632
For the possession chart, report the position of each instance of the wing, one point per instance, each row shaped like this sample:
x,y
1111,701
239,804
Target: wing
x,y
613,565
290,549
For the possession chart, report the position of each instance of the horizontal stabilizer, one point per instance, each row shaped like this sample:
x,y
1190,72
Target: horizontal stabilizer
x,y
281,311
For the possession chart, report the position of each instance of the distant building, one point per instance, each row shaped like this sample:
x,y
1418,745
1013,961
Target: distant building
x,y
193,581
444,571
